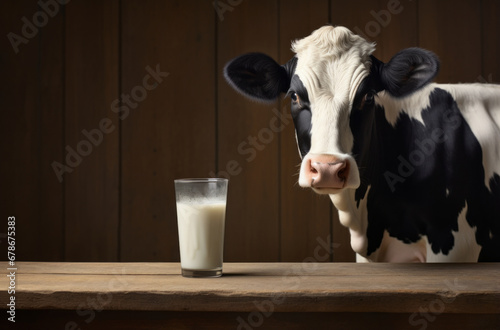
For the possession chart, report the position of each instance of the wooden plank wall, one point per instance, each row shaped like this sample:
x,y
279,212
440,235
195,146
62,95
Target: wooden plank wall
x,y
129,95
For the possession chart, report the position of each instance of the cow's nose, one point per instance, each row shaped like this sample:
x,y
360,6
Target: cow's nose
x,y
327,171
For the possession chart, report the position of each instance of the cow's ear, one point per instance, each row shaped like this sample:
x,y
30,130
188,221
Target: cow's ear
x,y
408,71
257,76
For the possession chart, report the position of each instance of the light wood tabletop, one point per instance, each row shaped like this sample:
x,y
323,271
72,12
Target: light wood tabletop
x,y
415,294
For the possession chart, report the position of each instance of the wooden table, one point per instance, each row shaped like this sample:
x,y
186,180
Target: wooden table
x,y
255,295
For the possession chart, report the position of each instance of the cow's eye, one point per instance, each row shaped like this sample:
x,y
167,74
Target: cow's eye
x,y
369,98
295,98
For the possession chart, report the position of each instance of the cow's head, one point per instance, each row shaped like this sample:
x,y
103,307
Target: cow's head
x,y
332,73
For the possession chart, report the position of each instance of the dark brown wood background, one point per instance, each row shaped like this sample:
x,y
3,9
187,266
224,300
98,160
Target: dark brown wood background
x,y
117,203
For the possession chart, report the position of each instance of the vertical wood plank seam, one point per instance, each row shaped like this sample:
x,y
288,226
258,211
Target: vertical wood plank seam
x,y
280,108
63,131
417,14
216,88
481,39
120,172
330,12
38,116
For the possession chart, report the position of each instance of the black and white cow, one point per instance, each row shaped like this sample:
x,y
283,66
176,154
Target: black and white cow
x,y
412,166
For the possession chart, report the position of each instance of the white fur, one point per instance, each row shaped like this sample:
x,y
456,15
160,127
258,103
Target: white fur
x,y
412,105
480,106
353,217
331,64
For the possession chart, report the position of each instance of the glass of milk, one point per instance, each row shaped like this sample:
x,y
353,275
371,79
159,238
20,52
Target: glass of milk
x,y
201,213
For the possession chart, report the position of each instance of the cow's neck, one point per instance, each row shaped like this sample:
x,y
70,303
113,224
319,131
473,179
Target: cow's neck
x,y
352,217
351,203
370,127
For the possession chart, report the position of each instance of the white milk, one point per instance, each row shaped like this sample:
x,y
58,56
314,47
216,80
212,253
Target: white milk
x,y
201,234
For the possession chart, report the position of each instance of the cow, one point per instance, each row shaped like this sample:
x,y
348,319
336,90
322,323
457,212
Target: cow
x,y
412,166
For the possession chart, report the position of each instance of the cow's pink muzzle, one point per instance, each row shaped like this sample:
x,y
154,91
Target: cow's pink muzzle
x,y
324,171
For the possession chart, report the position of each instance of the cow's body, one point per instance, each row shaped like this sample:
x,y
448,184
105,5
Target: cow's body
x,y
412,167
424,175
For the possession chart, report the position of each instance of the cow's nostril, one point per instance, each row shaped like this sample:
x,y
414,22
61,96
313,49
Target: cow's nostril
x,y
343,172
314,169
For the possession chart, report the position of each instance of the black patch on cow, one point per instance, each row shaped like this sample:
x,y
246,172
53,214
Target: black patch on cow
x,y
301,114
423,175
